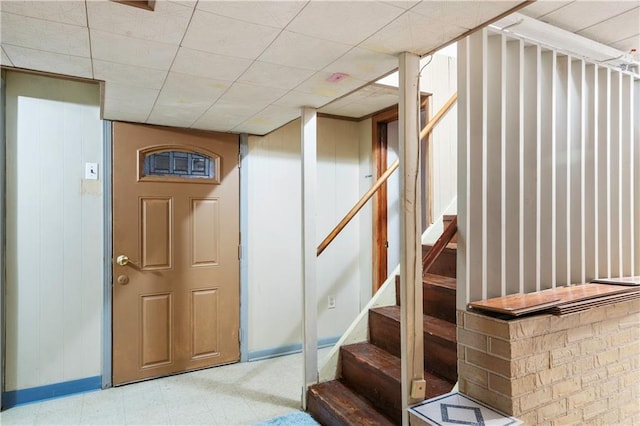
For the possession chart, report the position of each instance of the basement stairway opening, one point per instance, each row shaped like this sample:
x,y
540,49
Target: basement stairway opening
x,y
367,390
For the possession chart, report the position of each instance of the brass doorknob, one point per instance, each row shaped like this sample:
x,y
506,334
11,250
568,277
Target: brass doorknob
x,y
122,260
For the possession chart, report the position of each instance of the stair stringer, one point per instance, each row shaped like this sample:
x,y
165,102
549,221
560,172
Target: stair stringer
x,y
358,331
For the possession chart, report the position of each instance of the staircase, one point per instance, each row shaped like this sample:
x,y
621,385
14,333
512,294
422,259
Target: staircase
x,y
367,391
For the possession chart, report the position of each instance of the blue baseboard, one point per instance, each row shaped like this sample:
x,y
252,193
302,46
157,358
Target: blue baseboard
x,y
292,348
39,393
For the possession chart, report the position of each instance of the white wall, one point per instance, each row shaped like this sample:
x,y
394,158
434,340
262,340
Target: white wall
x,y
274,233
440,79
54,238
548,165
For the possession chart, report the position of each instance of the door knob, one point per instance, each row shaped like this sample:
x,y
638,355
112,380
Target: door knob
x,y
122,260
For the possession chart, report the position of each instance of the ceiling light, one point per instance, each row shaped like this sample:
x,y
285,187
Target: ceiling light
x,y
556,38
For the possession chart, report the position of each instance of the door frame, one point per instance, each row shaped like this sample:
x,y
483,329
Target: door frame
x,y
107,294
3,221
379,158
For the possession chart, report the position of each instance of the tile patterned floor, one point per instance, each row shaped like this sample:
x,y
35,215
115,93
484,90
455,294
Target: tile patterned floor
x,y
238,394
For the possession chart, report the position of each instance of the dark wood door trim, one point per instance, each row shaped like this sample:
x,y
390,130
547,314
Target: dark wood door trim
x,y
379,135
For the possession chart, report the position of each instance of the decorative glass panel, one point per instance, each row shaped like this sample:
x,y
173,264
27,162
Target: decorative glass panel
x,y
179,164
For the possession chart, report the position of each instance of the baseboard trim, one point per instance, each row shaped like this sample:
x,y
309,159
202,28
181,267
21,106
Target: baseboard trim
x,y
288,349
55,390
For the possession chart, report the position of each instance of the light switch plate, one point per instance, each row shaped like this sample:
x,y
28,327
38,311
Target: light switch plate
x,y
91,171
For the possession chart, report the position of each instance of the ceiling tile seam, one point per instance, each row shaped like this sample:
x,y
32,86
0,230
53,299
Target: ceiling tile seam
x,y
383,28
555,10
43,19
7,55
250,22
624,39
42,50
257,59
164,82
606,19
86,13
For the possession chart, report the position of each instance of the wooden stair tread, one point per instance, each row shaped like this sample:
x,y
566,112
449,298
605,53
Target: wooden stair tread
x,y
439,280
334,403
431,325
376,358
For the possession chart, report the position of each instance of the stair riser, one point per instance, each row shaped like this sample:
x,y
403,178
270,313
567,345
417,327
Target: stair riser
x,y
445,264
383,391
321,412
440,354
439,302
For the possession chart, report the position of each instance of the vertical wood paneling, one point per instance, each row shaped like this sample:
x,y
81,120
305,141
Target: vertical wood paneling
x,y
604,172
529,173
54,278
563,134
512,161
476,146
462,262
591,173
562,168
626,189
495,140
576,172
635,102
616,174
548,170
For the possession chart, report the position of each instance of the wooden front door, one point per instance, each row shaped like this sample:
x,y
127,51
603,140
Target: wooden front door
x,y
175,247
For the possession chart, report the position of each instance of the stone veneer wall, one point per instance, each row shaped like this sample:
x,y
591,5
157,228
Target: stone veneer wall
x,y
581,368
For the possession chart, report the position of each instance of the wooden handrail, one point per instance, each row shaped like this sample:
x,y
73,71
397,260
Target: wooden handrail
x,y
382,179
430,257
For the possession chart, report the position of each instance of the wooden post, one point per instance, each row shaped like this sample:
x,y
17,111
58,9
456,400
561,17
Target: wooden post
x,y
412,351
309,297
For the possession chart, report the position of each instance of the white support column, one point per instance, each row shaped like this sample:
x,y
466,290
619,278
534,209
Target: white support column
x,y
308,142
412,350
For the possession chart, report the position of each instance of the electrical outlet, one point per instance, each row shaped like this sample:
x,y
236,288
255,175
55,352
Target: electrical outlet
x,y
331,302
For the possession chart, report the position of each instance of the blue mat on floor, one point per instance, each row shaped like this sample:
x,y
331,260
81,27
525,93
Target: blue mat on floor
x,y
297,418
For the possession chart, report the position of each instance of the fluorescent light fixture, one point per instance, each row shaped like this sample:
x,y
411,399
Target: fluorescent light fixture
x,y
567,42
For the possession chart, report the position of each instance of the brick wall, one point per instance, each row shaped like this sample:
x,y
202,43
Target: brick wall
x,y
582,368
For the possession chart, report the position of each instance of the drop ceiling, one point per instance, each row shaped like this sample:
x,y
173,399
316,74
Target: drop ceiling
x,y
249,66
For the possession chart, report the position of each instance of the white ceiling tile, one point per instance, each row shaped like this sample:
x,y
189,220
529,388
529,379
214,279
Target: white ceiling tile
x,y
185,89
176,114
273,75
296,99
414,33
44,35
267,120
128,74
226,36
220,118
542,7
5,59
271,13
66,12
617,28
128,103
301,51
166,23
335,20
254,95
628,44
234,109
131,51
210,65
580,15
57,63
402,4
364,64
465,14
319,85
